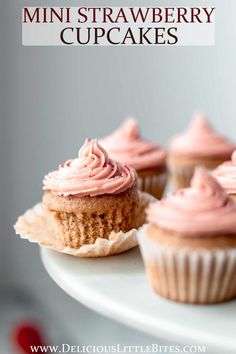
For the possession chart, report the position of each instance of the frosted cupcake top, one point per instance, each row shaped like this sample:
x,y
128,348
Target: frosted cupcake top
x,y
91,174
226,175
201,140
202,209
126,145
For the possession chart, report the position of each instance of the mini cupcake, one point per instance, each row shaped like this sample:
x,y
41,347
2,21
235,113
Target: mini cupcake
x,y
226,176
189,245
91,196
198,146
149,160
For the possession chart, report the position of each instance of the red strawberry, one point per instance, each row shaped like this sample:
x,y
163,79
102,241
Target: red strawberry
x,y
27,334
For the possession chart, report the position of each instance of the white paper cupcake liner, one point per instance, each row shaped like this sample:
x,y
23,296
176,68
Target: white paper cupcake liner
x,y
180,176
154,185
199,276
36,226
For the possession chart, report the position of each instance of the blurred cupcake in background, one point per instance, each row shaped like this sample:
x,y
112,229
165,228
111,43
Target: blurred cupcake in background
x,y
200,145
147,158
189,245
226,176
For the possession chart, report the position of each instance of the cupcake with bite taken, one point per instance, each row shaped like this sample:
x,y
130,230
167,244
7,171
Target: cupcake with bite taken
x,y
91,196
189,245
200,145
147,158
226,176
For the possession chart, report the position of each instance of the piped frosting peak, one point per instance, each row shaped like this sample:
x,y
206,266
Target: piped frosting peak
x,y
127,146
201,140
202,209
92,173
226,175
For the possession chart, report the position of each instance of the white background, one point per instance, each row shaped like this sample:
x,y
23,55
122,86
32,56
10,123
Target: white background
x,y
49,33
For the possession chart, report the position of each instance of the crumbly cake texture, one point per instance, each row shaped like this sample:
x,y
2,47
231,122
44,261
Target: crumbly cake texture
x,y
153,181
182,168
194,270
81,220
37,225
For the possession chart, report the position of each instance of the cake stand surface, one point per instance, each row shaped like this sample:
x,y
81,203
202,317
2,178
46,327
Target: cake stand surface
x,y
117,287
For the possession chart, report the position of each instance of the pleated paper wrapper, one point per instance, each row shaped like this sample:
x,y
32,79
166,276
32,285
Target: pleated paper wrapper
x,y
181,176
153,185
191,276
36,226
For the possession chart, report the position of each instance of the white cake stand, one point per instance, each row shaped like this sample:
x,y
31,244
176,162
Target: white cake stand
x,y
117,287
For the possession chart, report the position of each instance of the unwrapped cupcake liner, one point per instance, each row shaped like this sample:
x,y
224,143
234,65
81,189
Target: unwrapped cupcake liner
x,y
154,185
189,276
36,225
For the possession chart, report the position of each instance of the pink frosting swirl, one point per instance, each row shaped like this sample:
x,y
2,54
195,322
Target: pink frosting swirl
x,y
201,140
202,209
226,175
126,145
92,173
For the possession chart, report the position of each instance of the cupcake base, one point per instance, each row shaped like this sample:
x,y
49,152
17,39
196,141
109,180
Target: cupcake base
x,y
81,220
190,274
182,168
37,225
153,181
